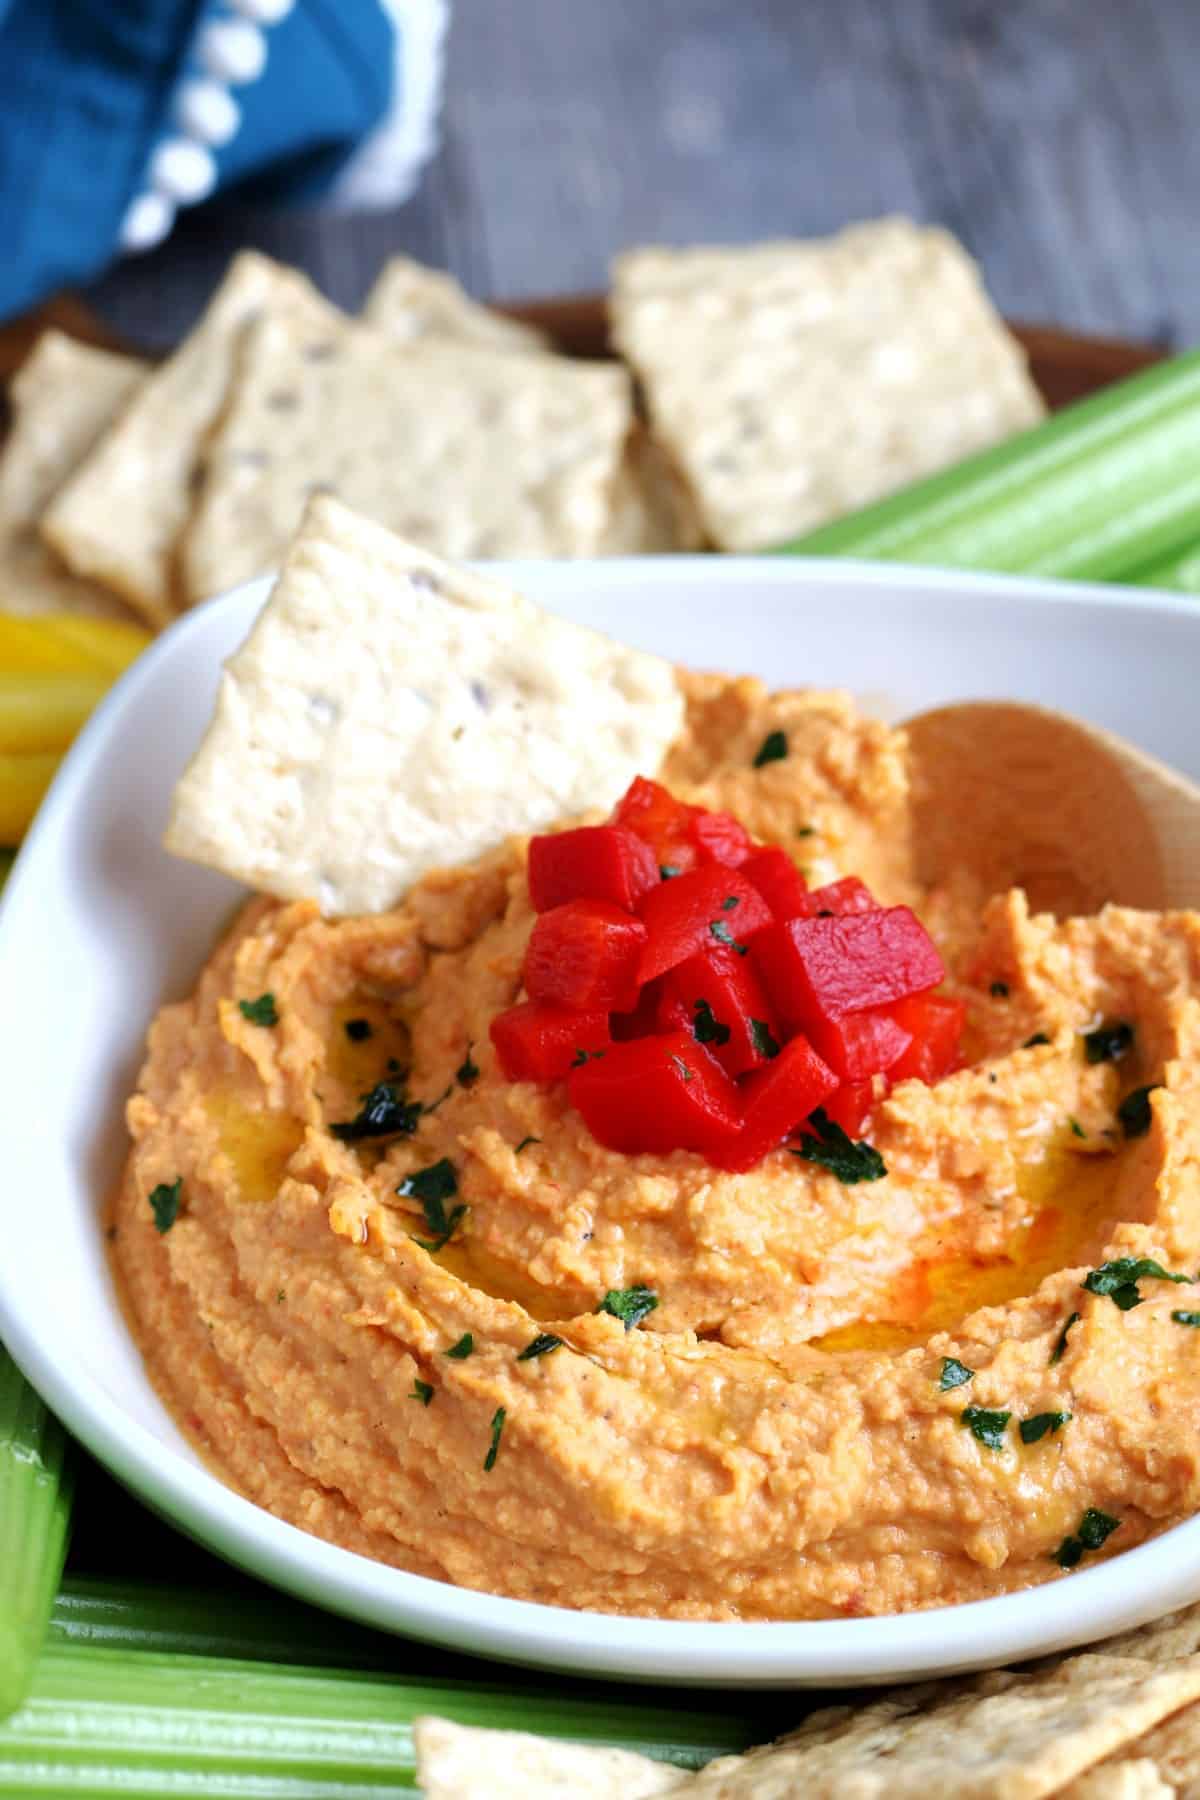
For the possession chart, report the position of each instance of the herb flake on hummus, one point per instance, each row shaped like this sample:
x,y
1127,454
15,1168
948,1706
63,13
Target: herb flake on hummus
x,y
467,1072
985,1425
1094,1528
421,1390
489,1461
954,1374
1056,1355
384,1113
773,748
1134,1111
631,1305
1183,1317
166,1201
262,1011
851,1162
1108,1042
1119,1279
1032,1430
541,1345
464,1347
433,1186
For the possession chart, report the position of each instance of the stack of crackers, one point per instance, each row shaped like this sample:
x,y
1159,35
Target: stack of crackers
x,y
764,391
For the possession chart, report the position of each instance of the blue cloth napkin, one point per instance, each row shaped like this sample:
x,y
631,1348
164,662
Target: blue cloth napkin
x,y
113,113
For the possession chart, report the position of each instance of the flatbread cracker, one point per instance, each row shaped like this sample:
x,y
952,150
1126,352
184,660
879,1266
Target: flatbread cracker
x,y
469,1762
650,509
994,1737
390,713
411,302
119,517
1136,1780
470,451
65,394
793,381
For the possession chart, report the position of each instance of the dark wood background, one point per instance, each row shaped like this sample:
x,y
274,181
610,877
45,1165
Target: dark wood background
x,y
1057,137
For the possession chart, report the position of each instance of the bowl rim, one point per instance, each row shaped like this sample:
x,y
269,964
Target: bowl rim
x,y
1137,1585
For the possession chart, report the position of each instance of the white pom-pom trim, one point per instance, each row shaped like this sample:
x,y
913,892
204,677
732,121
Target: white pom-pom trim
x,y
148,219
232,50
183,170
206,111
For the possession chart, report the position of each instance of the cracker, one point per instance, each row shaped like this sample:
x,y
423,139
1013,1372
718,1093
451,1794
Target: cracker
x,y
994,1737
650,509
1174,1749
64,396
118,518
470,1762
391,714
1176,1634
469,451
410,302
794,381
1123,1780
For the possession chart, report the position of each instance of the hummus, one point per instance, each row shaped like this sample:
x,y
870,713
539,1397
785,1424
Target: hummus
x,y
806,1424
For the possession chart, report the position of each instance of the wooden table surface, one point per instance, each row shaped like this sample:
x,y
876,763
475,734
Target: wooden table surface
x,y
1056,137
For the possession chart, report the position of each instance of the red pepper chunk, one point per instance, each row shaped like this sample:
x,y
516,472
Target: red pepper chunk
x,y
779,882
661,821
776,1101
716,996
540,1043
710,906
825,968
851,1106
860,1045
655,1095
585,955
935,1023
849,895
720,838
596,862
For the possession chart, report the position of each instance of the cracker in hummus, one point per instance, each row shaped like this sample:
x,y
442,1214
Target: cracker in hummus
x,y
468,450
390,714
794,381
470,1762
411,302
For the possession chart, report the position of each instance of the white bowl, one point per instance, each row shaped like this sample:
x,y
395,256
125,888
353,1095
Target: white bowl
x,y
98,926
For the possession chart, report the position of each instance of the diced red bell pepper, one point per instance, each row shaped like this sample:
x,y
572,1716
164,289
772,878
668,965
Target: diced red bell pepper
x,y
661,821
851,1106
643,1020
826,968
540,1043
859,1045
709,906
849,895
655,1095
935,1023
717,996
720,838
775,1101
596,862
779,882
585,955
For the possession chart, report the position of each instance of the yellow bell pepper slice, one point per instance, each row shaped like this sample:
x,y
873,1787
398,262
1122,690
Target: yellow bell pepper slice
x,y
69,644
23,782
43,711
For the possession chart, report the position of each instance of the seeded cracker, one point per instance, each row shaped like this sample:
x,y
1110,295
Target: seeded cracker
x,y
466,1762
651,510
792,381
118,518
470,451
410,302
390,714
64,396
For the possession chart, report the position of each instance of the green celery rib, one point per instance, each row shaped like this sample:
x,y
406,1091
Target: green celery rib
x,y
1180,571
35,1517
143,1724
1103,488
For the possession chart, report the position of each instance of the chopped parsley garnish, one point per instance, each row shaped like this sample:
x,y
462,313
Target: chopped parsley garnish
x,y
165,1203
761,1038
1109,1042
720,930
1056,1355
806,831
1031,1043
988,1427
541,1345
681,1066
384,1113
999,990
729,902
954,1374
433,1187
467,1072
631,1305
525,1143
1134,1111
1076,1128
773,748
1035,1428
668,871
462,1349
421,1390
851,1162
582,1056
262,1011
1183,1317
706,1027
489,1461
1094,1527
358,1030
1119,1278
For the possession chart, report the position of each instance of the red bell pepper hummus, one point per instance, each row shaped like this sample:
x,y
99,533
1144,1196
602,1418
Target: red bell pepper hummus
x,y
682,1214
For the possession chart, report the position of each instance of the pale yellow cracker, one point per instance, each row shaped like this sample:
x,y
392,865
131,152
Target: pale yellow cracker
x,y
118,518
650,509
1138,1779
65,394
469,451
470,1762
793,381
410,301
390,713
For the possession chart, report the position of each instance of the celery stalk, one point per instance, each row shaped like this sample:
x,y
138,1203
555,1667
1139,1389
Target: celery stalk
x,y
35,1514
1180,571
144,1724
1101,489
